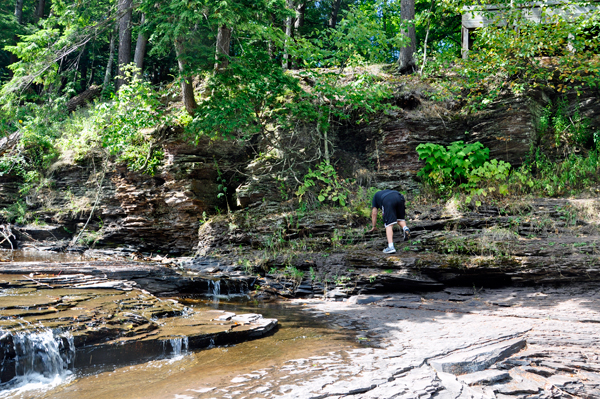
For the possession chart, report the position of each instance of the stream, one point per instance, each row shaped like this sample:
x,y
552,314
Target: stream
x,y
206,373
178,372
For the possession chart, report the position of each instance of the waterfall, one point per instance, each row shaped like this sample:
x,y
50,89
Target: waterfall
x,y
231,288
179,346
40,358
215,288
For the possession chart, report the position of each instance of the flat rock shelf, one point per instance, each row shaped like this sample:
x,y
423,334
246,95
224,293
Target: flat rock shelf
x,y
104,322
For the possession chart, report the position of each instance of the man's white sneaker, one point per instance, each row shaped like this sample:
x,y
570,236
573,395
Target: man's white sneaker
x,y
389,250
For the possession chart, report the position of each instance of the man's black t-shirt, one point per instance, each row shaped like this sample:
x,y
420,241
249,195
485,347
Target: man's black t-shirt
x,y
379,195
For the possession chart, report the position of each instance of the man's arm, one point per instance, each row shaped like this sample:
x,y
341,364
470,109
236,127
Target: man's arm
x,y
373,218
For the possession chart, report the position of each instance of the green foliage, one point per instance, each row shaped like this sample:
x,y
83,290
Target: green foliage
x,y
566,177
293,273
492,175
360,37
16,212
325,183
566,129
464,167
514,54
565,160
247,97
126,124
446,167
360,201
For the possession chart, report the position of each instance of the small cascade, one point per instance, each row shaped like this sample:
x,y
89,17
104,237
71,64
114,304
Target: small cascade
x,y
227,288
214,287
42,357
179,346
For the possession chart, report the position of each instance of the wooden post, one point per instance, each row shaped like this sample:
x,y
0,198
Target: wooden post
x,y
465,42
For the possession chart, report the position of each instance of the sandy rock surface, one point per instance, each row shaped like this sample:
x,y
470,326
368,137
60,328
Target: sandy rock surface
x,y
459,343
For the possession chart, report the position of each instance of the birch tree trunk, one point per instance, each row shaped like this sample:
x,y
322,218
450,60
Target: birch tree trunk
x,y
111,57
300,10
406,60
125,11
289,35
223,43
140,49
187,89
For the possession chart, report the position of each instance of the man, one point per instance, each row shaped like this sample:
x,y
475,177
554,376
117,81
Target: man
x,y
391,203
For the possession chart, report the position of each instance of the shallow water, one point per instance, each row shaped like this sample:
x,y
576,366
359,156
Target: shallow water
x,y
196,374
24,255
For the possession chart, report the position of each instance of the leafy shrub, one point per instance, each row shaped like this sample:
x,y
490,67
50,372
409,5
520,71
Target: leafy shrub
x,y
446,167
465,167
489,178
16,212
325,183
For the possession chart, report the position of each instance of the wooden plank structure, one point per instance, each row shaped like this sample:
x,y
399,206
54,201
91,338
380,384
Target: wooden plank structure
x,y
543,12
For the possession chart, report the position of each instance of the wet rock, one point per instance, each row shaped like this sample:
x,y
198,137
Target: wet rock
x,y
111,326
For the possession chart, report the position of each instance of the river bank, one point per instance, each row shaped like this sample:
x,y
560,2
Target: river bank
x,y
525,341
459,343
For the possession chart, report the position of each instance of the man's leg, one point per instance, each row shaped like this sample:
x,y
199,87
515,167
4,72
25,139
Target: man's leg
x,y
401,212
389,233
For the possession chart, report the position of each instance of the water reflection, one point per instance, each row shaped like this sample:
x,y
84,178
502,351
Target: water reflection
x,y
202,373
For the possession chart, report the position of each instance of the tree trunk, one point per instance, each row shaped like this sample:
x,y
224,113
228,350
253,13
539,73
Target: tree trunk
x,y
406,61
81,100
19,11
271,45
427,37
39,11
140,49
223,42
125,12
300,10
335,9
187,90
19,17
289,35
111,57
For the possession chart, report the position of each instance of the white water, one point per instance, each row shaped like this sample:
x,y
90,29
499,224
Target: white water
x,y
42,361
214,288
178,347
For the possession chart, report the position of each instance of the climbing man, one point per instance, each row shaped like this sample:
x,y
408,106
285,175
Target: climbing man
x,y
391,203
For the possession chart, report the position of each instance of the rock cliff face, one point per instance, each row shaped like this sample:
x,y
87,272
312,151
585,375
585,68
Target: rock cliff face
x,y
160,212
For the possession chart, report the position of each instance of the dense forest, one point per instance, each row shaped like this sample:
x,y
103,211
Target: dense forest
x,y
113,78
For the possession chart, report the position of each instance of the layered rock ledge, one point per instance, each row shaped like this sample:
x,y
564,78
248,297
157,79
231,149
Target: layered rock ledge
x,y
106,322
